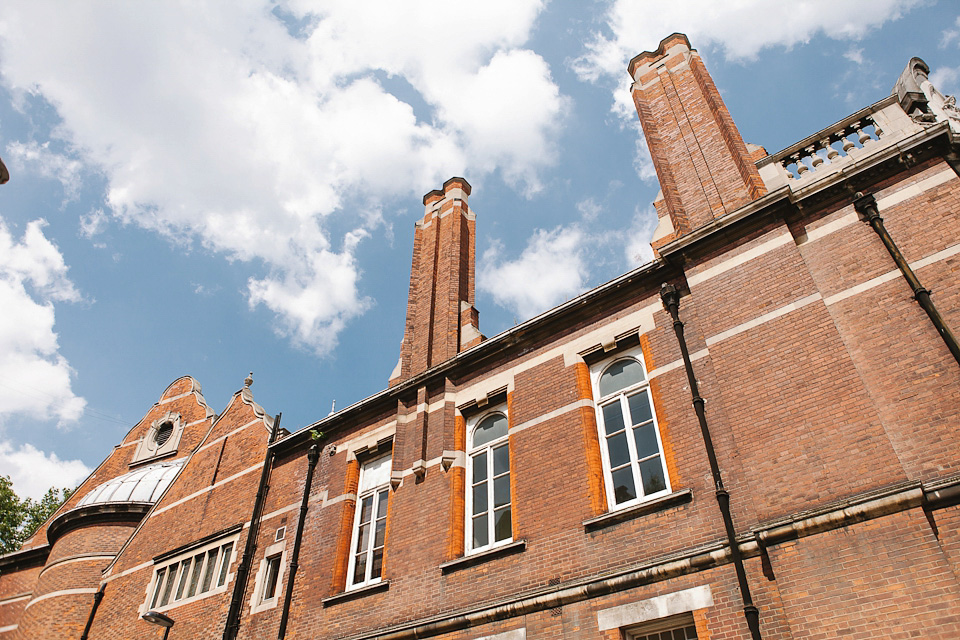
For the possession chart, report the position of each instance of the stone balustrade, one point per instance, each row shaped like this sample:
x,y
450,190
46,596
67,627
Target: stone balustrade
x,y
826,152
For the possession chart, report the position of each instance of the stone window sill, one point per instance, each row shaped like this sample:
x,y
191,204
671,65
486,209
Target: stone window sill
x,y
344,596
483,556
638,510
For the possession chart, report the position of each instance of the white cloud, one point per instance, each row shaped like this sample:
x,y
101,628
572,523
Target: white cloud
x,y
33,471
93,223
949,36
33,156
589,209
35,378
219,124
946,80
634,26
552,268
637,248
854,55
639,26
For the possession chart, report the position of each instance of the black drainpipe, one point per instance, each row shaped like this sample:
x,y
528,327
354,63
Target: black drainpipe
x,y
866,206
670,298
240,584
312,456
97,597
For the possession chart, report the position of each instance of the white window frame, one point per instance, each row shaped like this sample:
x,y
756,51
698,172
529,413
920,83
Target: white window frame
x,y
472,452
258,600
621,395
220,578
374,491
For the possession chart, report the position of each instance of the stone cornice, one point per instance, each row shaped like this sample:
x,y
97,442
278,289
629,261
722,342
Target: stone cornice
x,y
101,513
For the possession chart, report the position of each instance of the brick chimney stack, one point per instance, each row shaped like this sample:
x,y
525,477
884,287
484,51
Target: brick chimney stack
x,y
441,318
704,167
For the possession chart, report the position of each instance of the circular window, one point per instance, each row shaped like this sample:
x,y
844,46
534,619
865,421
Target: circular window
x,y
163,433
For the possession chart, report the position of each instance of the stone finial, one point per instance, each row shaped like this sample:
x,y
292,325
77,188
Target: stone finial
x,y
248,381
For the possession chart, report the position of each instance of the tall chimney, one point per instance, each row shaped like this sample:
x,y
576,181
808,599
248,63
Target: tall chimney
x,y
441,318
704,167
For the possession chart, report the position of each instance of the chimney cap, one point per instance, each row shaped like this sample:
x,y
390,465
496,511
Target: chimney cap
x,y
649,56
457,181
438,194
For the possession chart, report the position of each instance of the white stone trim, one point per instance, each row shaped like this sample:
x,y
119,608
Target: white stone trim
x,y
516,634
126,572
89,558
57,594
25,596
550,415
654,608
369,439
892,275
197,494
640,321
257,604
773,315
207,445
676,364
830,227
915,189
783,239
883,203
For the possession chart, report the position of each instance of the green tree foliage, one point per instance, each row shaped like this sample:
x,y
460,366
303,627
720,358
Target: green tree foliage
x,y
20,518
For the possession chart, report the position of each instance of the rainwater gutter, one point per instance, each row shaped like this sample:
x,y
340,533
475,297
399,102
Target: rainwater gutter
x,y
312,457
239,586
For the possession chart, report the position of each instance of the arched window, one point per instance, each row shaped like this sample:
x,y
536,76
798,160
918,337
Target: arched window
x,y
631,449
489,521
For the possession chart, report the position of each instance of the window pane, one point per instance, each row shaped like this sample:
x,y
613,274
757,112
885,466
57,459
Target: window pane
x,y
210,570
380,533
360,568
479,467
227,550
158,588
501,491
366,509
171,578
489,429
382,503
184,575
612,418
376,568
652,473
620,375
363,536
623,487
480,533
273,572
639,407
501,460
195,576
502,528
480,498
617,448
646,440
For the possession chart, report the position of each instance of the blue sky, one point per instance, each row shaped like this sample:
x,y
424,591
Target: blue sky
x,y
210,190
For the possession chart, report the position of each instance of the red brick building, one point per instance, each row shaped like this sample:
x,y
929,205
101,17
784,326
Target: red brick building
x,y
755,435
